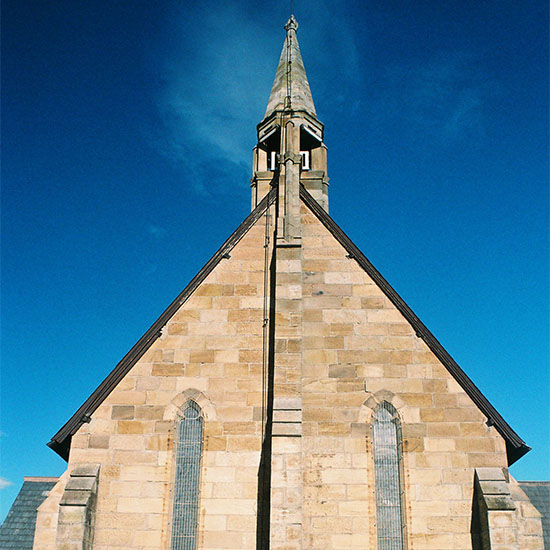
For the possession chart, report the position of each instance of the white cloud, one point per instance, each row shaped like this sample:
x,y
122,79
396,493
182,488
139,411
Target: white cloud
x,y
217,82
211,100
5,483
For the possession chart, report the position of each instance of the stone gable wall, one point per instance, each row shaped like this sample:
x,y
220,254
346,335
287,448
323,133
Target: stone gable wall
x,y
340,349
358,350
211,352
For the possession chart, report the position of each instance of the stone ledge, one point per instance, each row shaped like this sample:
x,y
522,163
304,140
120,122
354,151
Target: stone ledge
x,y
494,489
292,429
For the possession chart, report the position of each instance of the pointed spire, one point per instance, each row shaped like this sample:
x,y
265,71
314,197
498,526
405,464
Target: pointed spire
x,y
290,88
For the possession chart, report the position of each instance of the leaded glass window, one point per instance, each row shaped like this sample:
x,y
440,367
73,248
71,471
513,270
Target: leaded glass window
x,y
186,485
387,474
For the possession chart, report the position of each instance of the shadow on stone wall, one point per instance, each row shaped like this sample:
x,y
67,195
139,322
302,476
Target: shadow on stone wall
x,y
263,518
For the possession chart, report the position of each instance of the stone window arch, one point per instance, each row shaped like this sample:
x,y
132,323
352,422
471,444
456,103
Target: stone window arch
x,y
388,477
188,450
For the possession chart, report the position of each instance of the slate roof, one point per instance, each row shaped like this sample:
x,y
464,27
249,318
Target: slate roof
x,y
17,531
539,495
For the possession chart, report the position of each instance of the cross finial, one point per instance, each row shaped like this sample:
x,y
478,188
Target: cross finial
x,y
291,24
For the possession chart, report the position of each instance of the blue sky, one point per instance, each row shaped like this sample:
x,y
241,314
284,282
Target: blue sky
x,y
127,130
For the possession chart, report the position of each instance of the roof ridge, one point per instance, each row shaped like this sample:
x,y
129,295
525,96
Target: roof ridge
x,y
41,479
537,482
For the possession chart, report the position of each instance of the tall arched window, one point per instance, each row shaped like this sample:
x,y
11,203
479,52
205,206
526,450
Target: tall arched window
x,y
186,485
390,516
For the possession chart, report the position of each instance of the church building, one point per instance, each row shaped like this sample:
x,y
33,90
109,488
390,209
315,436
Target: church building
x,y
288,398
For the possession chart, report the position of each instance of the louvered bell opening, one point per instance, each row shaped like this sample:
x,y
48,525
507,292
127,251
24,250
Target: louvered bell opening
x,y
389,515
186,487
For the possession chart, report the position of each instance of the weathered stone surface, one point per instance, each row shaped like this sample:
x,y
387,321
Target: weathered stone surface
x,y
85,470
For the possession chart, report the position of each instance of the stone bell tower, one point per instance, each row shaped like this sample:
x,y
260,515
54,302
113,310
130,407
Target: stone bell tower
x,y
290,147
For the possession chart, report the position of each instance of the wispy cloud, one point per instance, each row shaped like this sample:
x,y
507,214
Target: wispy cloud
x,y
217,82
4,483
332,56
445,96
211,100
156,231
